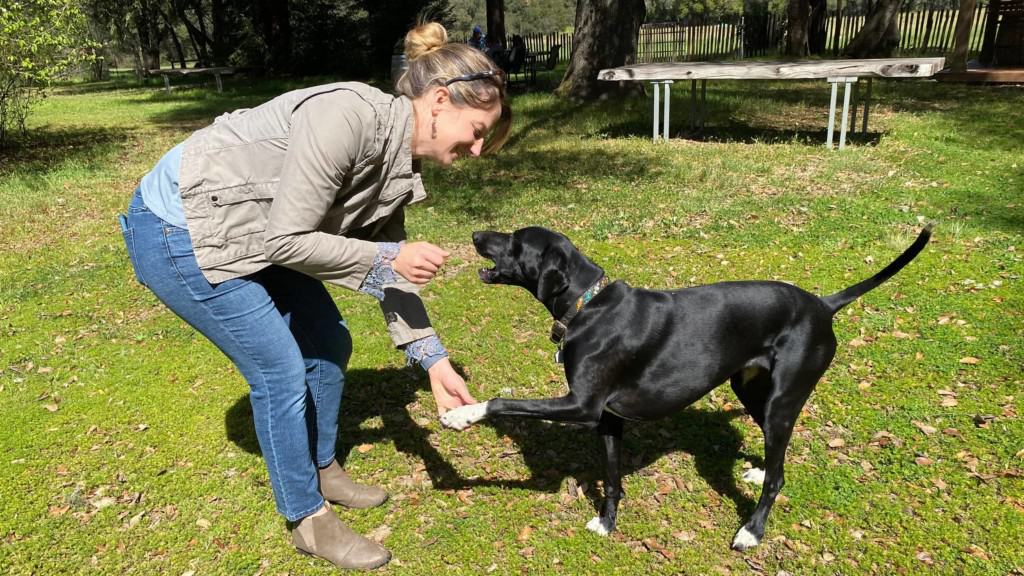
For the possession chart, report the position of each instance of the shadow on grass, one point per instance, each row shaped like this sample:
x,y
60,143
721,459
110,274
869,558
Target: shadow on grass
x,y
44,148
552,452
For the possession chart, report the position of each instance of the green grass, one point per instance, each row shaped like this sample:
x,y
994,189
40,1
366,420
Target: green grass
x,y
127,442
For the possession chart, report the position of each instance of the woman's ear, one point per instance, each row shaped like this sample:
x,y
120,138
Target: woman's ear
x,y
439,97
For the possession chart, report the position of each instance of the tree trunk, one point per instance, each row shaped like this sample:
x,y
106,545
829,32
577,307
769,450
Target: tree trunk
x,y
174,38
221,33
273,16
605,37
147,29
880,36
964,21
816,34
798,12
496,20
197,34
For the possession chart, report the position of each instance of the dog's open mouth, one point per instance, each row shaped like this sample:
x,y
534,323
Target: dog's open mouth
x,y
488,275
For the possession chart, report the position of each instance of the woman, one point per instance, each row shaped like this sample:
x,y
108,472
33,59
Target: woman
x,y
236,228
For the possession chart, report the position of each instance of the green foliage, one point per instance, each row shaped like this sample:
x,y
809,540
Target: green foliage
x,y
40,41
674,10
521,16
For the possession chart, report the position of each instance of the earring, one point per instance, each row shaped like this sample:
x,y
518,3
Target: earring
x,y
433,129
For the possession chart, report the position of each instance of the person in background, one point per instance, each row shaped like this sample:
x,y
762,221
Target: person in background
x,y
476,40
237,228
496,52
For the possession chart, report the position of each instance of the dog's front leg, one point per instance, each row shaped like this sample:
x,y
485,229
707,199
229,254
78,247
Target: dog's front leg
x,y
568,408
610,433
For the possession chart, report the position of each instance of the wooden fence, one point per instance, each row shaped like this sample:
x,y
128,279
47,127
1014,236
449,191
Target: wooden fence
x,y
922,32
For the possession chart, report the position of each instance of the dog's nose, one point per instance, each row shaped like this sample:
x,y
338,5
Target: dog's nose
x,y
477,237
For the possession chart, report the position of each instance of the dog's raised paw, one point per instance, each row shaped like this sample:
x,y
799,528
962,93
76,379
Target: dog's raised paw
x,y
462,417
754,476
744,540
599,526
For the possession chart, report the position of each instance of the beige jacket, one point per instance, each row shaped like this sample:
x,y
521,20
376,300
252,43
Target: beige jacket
x,y
309,180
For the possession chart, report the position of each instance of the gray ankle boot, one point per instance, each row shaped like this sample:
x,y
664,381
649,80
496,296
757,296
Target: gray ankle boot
x,y
337,487
327,537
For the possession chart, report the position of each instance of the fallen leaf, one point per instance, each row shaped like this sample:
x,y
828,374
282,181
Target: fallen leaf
x,y
203,523
836,443
364,448
923,461
524,534
948,402
928,430
976,551
51,407
969,360
378,535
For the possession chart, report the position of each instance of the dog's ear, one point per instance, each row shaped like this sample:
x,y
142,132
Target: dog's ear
x,y
552,278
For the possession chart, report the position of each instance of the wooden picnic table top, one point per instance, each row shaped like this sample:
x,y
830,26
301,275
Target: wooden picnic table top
x,y
187,71
777,70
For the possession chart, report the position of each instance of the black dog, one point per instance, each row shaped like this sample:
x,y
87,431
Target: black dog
x,y
634,354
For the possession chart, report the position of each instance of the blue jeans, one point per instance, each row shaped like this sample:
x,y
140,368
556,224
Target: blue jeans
x,y
283,332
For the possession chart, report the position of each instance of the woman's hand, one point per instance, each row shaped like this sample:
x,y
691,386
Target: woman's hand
x,y
418,262
448,387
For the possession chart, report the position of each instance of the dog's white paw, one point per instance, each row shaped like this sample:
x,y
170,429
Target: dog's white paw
x,y
754,476
744,540
464,416
600,526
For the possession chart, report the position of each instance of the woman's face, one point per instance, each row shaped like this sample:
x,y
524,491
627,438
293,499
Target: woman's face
x,y
461,131
446,132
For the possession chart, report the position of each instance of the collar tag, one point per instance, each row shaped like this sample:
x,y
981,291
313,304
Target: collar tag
x,y
559,359
557,332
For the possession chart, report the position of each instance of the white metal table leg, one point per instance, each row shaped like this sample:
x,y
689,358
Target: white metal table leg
x,y
657,92
847,80
167,83
846,111
667,84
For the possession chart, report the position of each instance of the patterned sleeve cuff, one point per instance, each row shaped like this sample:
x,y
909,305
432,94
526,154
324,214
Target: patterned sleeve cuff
x,y
425,351
381,272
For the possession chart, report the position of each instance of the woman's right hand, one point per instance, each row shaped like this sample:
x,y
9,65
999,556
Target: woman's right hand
x,y
418,262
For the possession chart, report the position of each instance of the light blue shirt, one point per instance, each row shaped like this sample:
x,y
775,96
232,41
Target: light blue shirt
x,y
160,189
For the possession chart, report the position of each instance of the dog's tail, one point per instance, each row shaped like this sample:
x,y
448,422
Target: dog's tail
x,y
835,302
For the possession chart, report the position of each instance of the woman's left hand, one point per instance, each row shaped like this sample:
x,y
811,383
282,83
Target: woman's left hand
x,y
448,387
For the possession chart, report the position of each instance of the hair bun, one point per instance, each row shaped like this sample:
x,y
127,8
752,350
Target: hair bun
x,y
424,39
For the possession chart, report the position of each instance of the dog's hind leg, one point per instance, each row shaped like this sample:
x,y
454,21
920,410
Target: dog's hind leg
x,y
610,432
752,386
793,379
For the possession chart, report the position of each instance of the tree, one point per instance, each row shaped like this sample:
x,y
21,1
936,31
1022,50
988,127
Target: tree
x,y
798,13
496,20
880,35
605,37
40,41
958,61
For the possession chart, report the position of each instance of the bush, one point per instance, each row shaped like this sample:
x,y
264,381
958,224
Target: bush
x,y
40,42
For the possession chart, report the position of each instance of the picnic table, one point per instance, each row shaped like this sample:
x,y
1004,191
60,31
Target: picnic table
x,y
846,72
216,72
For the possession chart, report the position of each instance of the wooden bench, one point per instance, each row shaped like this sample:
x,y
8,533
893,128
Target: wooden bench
x,y
215,72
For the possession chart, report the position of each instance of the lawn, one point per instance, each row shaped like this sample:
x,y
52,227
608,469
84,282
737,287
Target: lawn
x,y
128,448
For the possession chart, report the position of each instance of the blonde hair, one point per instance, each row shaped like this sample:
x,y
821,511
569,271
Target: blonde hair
x,y
434,62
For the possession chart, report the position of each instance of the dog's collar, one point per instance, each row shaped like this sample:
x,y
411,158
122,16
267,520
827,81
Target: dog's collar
x,y
561,325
